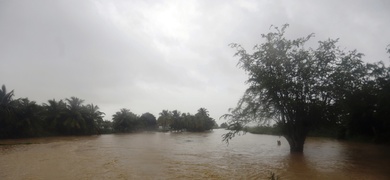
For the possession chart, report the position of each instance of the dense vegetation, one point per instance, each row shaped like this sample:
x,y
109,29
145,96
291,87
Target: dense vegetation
x,y
224,125
24,118
304,90
177,121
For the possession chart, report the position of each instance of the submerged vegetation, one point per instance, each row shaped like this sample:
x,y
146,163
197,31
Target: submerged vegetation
x,y
305,90
21,118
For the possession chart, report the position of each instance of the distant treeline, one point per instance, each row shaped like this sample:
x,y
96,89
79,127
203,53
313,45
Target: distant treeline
x,y
266,129
358,129
21,118
276,130
176,121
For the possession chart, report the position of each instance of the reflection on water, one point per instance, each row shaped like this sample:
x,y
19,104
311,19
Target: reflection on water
x,y
189,156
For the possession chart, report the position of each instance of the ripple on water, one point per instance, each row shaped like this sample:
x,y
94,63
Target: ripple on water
x,y
189,156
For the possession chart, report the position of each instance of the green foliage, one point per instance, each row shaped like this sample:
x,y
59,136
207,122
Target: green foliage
x,y
55,115
367,108
104,126
165,119
24,118
7,112
74,122
148,121
93,117
28,121
224,125
176,121
5,97
125,121
299,88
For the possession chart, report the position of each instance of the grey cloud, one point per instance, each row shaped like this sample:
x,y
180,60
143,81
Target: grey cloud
x,y
150,56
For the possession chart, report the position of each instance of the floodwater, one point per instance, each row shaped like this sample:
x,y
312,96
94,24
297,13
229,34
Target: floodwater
x,y
189,156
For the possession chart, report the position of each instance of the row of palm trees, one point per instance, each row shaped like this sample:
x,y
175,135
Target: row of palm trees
x,y
127,121
176,121
24,118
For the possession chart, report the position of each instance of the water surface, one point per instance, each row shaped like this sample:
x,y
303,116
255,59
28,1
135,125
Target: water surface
x,y
189,156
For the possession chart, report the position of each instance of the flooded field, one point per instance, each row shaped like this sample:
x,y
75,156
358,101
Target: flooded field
x,y
188,156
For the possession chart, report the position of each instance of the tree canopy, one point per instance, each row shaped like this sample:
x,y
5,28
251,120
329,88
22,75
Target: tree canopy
x,y
176,121
301,88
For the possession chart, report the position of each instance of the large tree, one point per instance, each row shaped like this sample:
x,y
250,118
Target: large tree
x,y
296,86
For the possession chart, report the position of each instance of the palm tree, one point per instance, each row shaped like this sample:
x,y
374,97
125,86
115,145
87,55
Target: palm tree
x,y
74,121
74,103
7,104
165,119
93,118
203,120
124,120
29,118
55,113
203,112
177,123
5,98
7,115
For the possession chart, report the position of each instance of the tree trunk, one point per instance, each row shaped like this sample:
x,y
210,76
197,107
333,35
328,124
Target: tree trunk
x,y
295,132
296,147
296,143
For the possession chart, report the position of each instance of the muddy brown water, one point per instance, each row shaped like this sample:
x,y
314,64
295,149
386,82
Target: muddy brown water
x,y
189,156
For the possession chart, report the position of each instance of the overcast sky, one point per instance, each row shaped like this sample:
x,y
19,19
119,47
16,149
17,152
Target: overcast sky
x,y
149,55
